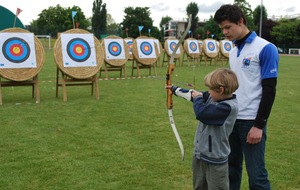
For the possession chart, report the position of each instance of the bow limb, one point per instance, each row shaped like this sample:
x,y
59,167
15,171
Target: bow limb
x,y
169,91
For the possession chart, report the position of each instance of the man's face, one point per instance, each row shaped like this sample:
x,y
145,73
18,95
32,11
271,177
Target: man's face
x,y
232,31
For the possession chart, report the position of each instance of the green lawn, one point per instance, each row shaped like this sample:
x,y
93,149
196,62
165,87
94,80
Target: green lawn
x,y
124,139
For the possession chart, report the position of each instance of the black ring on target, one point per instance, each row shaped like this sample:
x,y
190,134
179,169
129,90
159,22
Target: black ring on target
x,y
78,50
114,48
146,48
172,45
193,46
211,46
227,46
16,50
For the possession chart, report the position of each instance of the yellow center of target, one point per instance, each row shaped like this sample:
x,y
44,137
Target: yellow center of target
x,y
146,48
78,50
115,49
16,50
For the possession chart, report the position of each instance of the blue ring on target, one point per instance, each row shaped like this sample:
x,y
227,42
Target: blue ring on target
x,y
211,46
146,48
193,46
16,50
172,45
114,48
78,50
227,46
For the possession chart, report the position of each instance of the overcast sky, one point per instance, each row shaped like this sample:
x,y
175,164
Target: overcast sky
x,y
158,8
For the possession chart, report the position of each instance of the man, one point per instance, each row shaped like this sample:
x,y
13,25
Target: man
x,y
255,61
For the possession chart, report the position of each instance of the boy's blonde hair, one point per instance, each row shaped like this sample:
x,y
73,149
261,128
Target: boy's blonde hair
x,y
222,77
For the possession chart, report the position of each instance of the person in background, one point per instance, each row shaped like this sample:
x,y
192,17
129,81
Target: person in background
x,y
216,110
255,62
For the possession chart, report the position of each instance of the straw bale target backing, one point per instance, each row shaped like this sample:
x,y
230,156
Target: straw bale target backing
x,y
145,53
169,46
23,74
210,48
225,47
192,47
81,72
116,51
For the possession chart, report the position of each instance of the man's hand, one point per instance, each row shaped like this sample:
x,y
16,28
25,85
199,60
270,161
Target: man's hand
x,y
254,135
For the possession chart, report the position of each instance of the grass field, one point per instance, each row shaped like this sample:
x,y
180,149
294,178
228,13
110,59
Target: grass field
x,y
124,139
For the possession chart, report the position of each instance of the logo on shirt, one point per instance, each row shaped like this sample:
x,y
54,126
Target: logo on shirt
x,y
246,62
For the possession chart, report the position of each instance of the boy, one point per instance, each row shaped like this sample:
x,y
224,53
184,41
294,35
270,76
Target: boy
x,y
216,110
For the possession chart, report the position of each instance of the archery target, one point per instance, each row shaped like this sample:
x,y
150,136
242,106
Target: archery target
x,y
129,43
171,46
211,46
227,46
114,48
146,48
17,50
193,46
78,50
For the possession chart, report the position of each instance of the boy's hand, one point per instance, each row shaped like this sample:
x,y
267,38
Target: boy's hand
x,y
196,93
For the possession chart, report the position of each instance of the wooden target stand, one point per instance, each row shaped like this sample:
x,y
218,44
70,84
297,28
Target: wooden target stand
x,y
77,76
192,50
23,76
143,63
113,62
210,55
225,47
168,53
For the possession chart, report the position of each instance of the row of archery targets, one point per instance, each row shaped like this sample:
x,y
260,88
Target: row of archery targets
x,y
81,58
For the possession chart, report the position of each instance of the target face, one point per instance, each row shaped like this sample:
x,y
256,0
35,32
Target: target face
x,y
211,46
227,46
114,48
146,48
17,50
171,45
193,46
78,49
129,44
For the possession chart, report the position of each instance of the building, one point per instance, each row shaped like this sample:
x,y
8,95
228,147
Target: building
x,y
176,27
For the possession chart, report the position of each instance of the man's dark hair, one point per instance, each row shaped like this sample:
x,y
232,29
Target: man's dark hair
x,y
232,13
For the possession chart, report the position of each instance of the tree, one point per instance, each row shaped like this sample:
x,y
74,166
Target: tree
x,y
99,18
57,19
211,28
246,8
192,9
135,17
256,14
164,20
286,32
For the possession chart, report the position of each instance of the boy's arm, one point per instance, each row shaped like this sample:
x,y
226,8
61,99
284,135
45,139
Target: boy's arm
x,y
181,92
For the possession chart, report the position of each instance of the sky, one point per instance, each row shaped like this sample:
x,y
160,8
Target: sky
x,y
158,8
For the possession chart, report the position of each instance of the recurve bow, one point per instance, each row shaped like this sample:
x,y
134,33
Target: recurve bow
x,y
169,91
